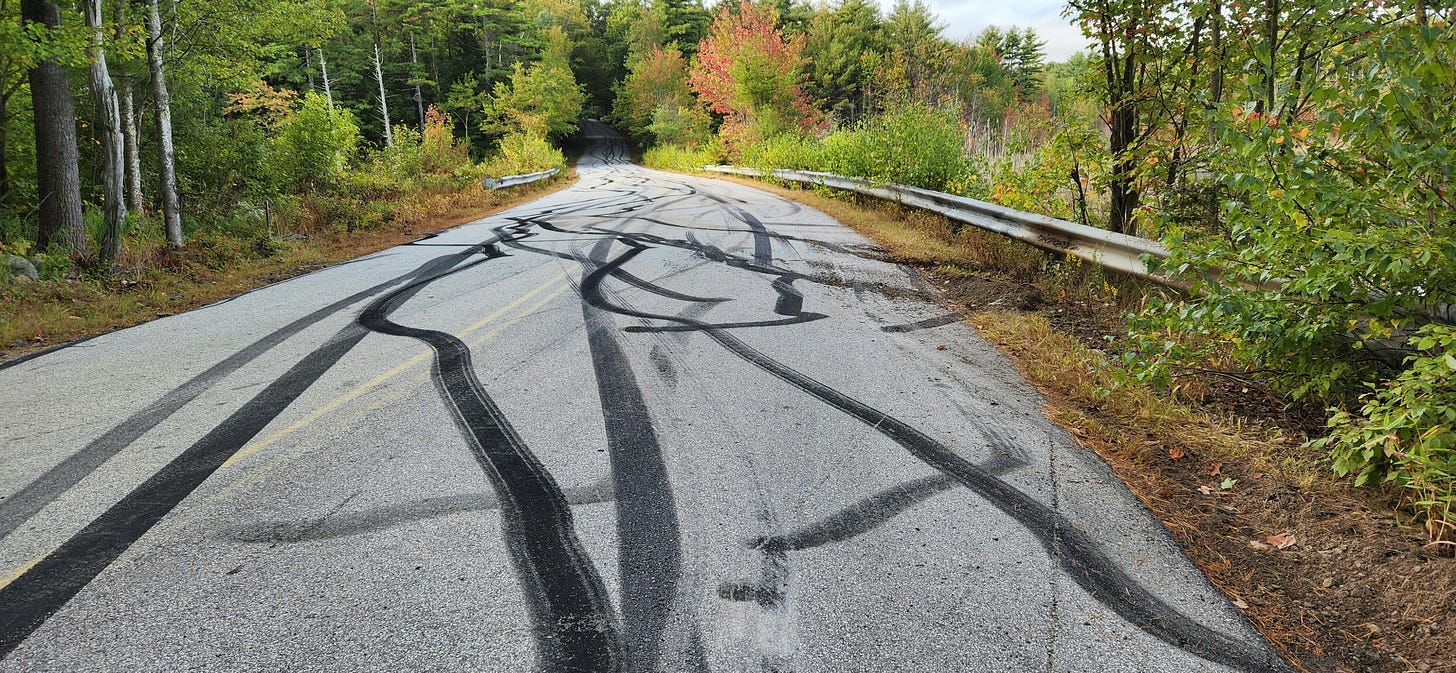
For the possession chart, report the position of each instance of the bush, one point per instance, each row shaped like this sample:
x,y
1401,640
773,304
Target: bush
x,y
521,153
678,158
1338,251
790,151
915,145
313,145
1405,431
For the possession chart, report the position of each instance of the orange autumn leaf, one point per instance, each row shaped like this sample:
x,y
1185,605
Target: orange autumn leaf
x,y
1280,541
1214,469
1175,453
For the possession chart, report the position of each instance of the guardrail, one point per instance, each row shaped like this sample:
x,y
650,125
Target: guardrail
x,y
513,180
1112,250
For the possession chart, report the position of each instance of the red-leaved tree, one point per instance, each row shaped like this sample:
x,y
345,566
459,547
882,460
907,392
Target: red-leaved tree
x,y
748,72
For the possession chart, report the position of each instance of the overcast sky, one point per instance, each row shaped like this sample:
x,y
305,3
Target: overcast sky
x,y
964,18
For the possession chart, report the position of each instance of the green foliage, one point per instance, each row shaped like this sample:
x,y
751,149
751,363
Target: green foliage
x,y
1405,429
542,99
429,159
313,145
655,92
915,145
680,158
521,153
788,150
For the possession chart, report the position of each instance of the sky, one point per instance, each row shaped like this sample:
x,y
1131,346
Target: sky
x,y
964,18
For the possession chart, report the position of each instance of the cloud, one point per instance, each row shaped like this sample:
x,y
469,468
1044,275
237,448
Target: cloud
x,y
966,19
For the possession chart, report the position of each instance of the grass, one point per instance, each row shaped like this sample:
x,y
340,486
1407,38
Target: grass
x,y
153,281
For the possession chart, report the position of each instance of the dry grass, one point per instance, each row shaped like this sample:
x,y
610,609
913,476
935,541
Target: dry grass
x,y
152,282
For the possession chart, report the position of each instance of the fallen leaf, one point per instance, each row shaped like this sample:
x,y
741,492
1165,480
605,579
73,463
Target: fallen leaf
x,y
1255,544
1240,604
1213,469
1204,489
1227,484
940,347
1281,541
1175,453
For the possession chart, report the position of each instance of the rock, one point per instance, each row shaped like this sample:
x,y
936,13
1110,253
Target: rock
x,y
16,266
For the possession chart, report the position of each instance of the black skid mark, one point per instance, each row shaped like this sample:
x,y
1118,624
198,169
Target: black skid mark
x,y
38,593
928,323
649,544
33,597
35,496
384,517
1077,553
574,625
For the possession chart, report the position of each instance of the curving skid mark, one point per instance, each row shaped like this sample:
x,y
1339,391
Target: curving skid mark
x,y
33,597
574,627
1077,553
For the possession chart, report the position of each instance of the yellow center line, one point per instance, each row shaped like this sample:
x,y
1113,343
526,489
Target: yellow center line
x,y
5,581
374,383
386,376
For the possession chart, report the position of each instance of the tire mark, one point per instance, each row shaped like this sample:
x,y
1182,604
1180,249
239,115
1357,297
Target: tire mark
x,y
348,524
575,629
35,496
649,551
928,323
1075,551
37,594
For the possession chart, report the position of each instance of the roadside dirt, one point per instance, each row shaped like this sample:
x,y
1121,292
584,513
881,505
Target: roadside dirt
x,y
1357,588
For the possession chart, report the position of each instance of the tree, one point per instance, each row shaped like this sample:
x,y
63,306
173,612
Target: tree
x,y
162,109
58,176
842,49
539,100
1020,52
749,72
114,146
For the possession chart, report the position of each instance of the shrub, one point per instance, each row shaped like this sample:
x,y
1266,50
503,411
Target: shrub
x,y
523,153
313,145
678,158
914,144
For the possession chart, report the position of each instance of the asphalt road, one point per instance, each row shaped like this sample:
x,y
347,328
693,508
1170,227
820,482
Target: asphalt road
x,y
647,423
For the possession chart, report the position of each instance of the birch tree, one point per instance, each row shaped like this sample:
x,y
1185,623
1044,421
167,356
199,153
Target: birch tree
x,y
109,126
162,108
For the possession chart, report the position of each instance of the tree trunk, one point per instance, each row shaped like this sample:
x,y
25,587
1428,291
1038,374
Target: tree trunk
x,y
133,150
129,124
58,176
328,87
4,149
383,99
419,91
1122,190
109,118
308,65
171,209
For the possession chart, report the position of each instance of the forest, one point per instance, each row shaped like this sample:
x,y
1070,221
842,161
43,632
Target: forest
x,y
1293,154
